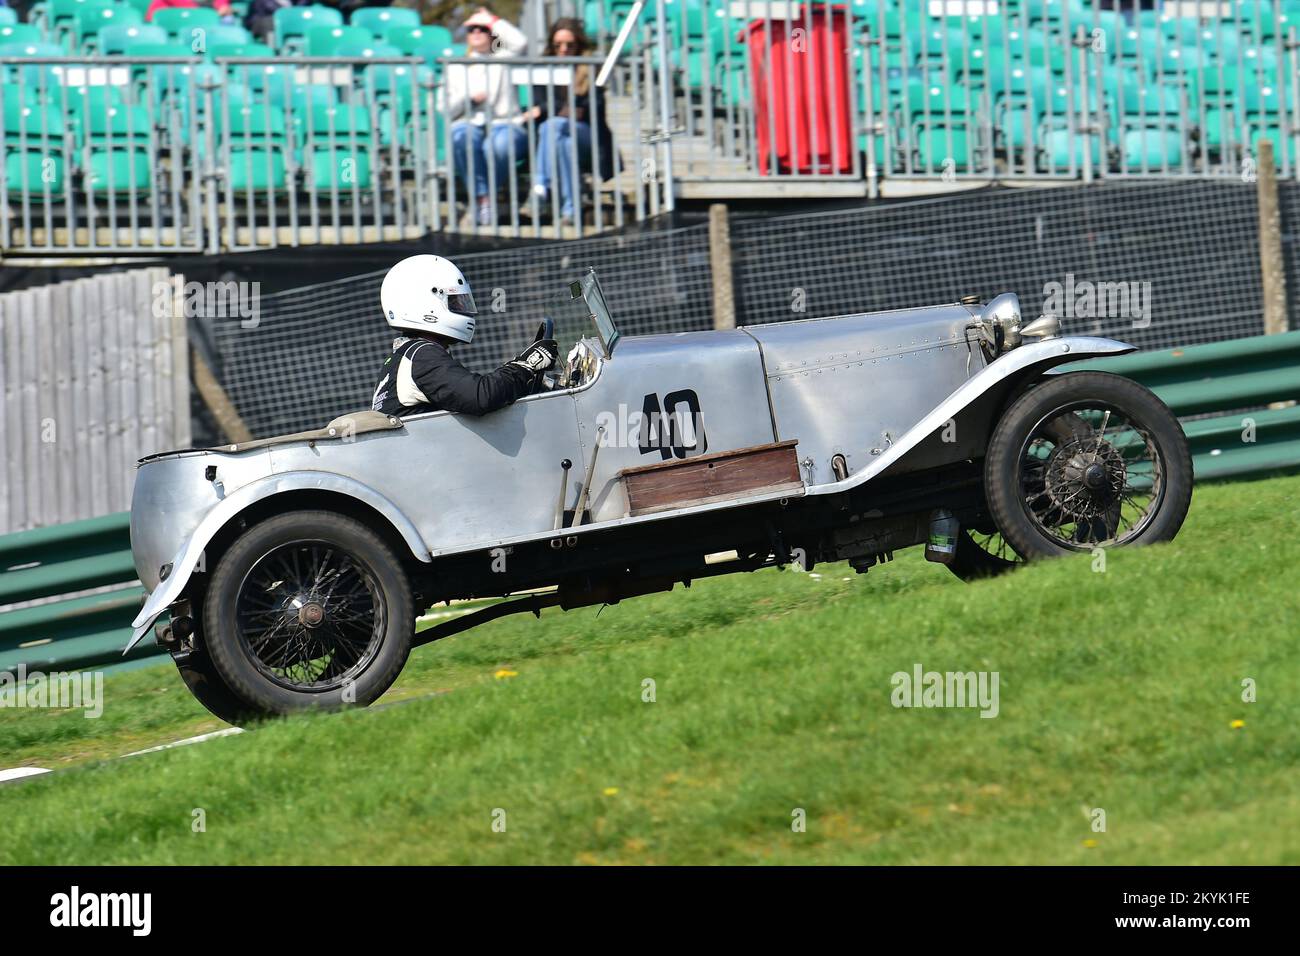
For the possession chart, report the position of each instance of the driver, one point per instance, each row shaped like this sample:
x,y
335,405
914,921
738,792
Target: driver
x,y
429,299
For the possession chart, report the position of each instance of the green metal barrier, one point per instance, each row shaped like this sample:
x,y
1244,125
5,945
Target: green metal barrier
x,y
1227,377
69,633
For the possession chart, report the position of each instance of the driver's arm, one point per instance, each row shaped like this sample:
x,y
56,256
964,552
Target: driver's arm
x,y
451,386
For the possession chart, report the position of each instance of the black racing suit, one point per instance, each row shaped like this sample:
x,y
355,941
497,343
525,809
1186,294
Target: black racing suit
x,y
422,376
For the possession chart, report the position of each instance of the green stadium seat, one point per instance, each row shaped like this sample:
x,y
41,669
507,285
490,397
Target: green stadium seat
x,y
140,6
115,123
229,34
236,98
145,49
8,16
259,122
299,97
32,120
260,76
1151,148
1178,60
731,77
80,100
1138,44
1053,56
387,84
292,23
931,43
65,12
116,40
342,121
256,169
1142,102
89,22
36,77
184,82
181,22
39,171
1055,11
237,51
1015,82
118,170
378,20
939,121
325,41
1183,31
1062,149
367,49
428,43
339,168
19,33
1255,18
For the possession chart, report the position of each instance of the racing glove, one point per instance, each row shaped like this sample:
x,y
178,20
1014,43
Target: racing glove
x,y
539,357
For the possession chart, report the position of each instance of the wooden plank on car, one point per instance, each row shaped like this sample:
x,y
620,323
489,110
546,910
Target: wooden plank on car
x,y
719,476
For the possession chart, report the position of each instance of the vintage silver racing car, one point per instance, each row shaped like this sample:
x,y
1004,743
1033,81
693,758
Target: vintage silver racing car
x,y
291,570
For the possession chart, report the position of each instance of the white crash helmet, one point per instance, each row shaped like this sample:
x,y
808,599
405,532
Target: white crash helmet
x,y
429,294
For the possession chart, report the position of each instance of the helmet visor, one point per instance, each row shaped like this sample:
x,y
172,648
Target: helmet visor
x,y
462,303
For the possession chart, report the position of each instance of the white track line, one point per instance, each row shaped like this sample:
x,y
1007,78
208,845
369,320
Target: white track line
x,y
225,732
17,773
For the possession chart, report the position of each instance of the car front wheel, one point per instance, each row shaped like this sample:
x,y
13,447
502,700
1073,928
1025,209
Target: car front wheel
x,y
1087,459
310,609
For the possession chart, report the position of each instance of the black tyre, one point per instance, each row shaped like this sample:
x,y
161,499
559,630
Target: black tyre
x,y
307,610
211,691
1087,459
982,555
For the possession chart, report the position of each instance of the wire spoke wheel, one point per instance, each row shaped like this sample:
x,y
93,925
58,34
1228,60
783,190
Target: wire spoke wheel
x,y
1087,459
995,545
1090,476
310,616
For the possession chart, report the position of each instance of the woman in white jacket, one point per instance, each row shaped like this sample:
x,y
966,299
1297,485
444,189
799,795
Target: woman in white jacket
x,y
481,100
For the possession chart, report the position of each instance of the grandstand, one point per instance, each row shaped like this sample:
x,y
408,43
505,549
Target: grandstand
x,y
185,134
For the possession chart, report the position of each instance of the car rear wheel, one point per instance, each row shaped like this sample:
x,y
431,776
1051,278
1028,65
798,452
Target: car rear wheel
x,y
310,609
1086,460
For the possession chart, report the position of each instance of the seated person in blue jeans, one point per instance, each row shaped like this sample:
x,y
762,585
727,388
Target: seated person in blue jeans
x,y
482,101
571,120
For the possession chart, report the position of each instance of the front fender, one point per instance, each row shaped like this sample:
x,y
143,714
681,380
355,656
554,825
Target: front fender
x,y
191,552
1037,356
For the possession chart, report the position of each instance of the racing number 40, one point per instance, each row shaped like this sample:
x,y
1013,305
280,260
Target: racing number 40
x,y
675,428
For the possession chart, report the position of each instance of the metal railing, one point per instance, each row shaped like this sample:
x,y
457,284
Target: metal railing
x,y
185,154
957,90
180,154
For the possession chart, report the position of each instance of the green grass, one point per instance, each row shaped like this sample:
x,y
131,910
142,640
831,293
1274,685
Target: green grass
x,y
1117,690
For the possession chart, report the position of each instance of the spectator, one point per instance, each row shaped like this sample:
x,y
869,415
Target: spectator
x,y
481,101
260,19
222,7
572,121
